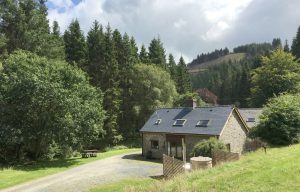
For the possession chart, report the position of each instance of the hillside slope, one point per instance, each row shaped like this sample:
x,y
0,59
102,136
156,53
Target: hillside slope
x,y
194,69
278,170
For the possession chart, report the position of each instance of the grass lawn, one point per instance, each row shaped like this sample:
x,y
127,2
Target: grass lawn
x,y
123,185
19,174
278,170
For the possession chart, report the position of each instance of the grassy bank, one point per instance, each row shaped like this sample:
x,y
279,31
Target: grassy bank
x,y
123,185
19,174
278,170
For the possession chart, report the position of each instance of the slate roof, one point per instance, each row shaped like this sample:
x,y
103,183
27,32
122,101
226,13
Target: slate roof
x,y
250,113
217,115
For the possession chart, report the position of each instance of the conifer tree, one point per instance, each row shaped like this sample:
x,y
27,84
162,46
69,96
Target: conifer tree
x,y
157,53
75,45
109,84
286,47
172,67
295,48
183,79
143,56
55,29
95,52
24,25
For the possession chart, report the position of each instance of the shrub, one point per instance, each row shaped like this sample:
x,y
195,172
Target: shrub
x,y
205,147
280,121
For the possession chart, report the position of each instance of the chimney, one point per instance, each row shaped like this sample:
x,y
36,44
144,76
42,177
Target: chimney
x,y
190,102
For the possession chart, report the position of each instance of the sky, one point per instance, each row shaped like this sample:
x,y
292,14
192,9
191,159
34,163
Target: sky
x,y
186,27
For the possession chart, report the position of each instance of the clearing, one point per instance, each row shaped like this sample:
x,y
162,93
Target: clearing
x,y
20,174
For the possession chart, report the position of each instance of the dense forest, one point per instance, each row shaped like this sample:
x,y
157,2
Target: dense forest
x,y
66,91
231,80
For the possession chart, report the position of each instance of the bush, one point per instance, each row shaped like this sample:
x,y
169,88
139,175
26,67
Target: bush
x,y
280,121
205,147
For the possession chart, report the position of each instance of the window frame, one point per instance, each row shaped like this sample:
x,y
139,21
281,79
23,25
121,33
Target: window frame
x,y
157,122
201,124
184,121
152,146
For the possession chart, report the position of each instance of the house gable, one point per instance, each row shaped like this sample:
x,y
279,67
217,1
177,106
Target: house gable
x,y
234,132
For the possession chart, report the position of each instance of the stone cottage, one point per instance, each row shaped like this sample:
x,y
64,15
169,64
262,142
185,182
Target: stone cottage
x,y
251,116
168,129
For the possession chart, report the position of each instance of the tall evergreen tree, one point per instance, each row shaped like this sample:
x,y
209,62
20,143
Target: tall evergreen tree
x,y
55,29
157,53
276,43
172,67
95,53
295,48
183,79
25,26
286,47
143,56
75,45
109,83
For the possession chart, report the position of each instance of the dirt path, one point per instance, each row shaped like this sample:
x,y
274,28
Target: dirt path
x,y
87,176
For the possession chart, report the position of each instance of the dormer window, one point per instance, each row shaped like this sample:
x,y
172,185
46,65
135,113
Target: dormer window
x,y
179,122
251,119
157,122
202,123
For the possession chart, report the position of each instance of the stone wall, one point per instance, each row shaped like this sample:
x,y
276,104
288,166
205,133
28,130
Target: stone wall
x,y
234,133
162,146
191,141
224,156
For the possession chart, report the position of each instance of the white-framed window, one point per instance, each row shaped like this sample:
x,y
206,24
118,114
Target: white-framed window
x,y
179,122
157,122
203,123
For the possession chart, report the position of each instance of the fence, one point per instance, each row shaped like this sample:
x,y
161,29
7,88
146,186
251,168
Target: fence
x,y
172,166
223,156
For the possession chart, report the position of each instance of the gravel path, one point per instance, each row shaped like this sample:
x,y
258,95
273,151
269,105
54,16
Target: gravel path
x,y
85,177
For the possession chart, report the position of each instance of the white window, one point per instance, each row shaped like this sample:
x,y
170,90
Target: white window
x,y
179,122
203,123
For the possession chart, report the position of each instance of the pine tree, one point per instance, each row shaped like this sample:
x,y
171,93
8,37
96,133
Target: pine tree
x,y
24,25
286,47
55,29
183,79
172,67
109,84
75,45
143,56
95,53
276,43
295,48
157,53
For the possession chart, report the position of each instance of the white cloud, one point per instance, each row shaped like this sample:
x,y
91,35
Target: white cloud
x,y
186,27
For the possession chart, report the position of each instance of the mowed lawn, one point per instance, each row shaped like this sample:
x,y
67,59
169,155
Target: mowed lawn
x,y
19,174
278,170
125,184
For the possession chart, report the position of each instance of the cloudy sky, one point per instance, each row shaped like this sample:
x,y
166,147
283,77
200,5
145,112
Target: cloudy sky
x,y
186,27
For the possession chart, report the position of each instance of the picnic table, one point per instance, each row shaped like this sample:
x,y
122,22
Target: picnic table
x,y
89,153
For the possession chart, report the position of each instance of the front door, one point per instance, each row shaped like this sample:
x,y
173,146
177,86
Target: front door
x,y
174,147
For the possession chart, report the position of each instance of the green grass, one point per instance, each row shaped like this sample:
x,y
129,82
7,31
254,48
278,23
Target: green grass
x,y
123,185
278,170
19,174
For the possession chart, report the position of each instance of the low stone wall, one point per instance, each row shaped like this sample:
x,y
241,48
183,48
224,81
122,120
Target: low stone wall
x,y
224,156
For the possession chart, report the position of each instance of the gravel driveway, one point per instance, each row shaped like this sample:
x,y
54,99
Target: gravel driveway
x,y
85,177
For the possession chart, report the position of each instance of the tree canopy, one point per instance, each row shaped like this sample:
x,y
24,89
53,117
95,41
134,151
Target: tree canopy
x,y
280,121
277,74
45,102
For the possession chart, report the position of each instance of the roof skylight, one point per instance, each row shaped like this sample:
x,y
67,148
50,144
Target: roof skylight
x,y
179,122
202,123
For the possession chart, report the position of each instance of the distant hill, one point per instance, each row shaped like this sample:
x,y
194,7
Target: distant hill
x,y
196,68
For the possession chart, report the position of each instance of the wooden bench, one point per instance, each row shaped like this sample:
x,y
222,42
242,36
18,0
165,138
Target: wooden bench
x,y
89,153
